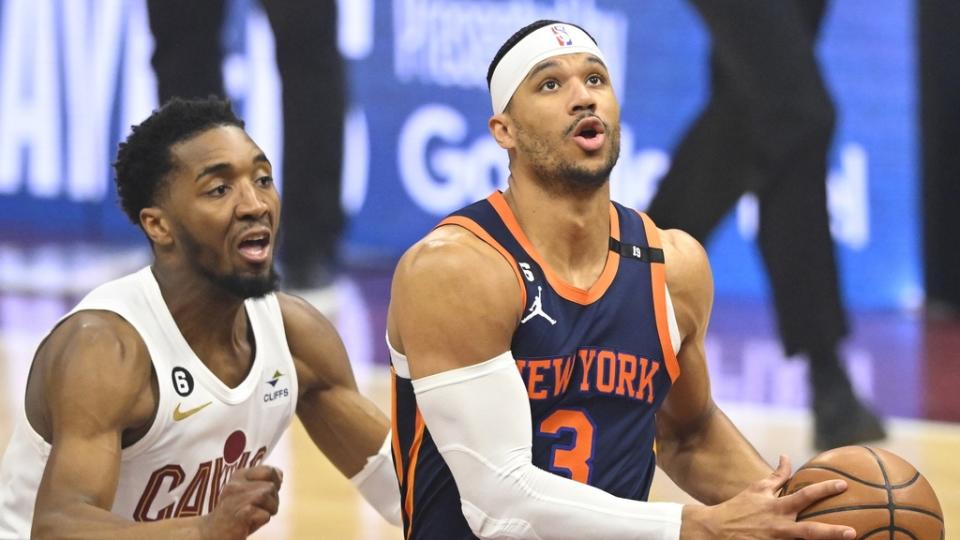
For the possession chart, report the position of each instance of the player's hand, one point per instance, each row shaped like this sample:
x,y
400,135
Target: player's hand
x,y
246,503
758,513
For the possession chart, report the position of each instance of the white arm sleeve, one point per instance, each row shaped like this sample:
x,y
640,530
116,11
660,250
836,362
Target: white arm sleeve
x,y
479,418
377,482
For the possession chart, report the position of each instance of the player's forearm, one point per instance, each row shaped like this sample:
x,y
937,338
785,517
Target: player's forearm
x,y
346,426
712,463
79,520
377,482
478,417
355,436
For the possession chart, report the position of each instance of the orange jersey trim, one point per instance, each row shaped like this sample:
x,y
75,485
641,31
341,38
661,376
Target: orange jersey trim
x,y
395,435
564,289
482,234
412,472
659,282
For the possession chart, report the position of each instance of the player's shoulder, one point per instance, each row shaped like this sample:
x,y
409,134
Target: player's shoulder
x,y
301,318
452,253
294,306
98,333
449,247
314,343
684,255
682,252
450,264
97,362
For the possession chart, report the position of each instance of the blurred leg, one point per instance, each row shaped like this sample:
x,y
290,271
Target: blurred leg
x,y
795,134
764,66
767,129
188,52
710,168
312,73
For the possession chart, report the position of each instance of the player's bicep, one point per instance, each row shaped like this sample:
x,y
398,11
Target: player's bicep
x,y
455,302
81,468
689,402
691,287
97,383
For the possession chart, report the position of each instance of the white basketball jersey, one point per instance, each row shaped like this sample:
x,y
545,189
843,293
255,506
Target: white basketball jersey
x,y
203,430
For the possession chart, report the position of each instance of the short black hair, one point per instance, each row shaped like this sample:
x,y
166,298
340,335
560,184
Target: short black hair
x,y
144,159
517,36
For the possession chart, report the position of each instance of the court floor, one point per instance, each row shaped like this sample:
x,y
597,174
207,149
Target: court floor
x,y
906,365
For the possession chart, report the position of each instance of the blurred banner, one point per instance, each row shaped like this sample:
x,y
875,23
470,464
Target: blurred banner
x,y
75,74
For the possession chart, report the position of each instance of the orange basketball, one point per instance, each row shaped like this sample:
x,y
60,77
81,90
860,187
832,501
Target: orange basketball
x,y
886,498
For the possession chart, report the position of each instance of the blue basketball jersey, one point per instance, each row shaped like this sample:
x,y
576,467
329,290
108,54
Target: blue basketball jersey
x,y
596,363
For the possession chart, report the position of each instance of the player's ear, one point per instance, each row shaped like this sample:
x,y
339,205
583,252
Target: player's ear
x,y
155,224
503,130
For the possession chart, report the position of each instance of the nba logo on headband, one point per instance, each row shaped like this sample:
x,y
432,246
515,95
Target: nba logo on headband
x,y
537,46
563,38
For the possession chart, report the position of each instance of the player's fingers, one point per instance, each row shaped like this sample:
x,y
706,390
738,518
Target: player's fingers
x,y
256,518
276,477
777,478
267,498
243,473
803,498
810,530
232,488
264,473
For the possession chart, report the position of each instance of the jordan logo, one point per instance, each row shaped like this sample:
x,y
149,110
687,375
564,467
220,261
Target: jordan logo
x,y
537,309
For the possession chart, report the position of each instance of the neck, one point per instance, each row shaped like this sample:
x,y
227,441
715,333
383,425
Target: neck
x,y
211,320
570,230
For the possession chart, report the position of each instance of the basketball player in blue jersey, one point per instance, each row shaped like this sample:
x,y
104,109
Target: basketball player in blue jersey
x,y
152,407
548,344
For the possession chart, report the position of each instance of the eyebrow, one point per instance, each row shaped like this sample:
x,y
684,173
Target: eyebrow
x,y
220,167
594,60
547,64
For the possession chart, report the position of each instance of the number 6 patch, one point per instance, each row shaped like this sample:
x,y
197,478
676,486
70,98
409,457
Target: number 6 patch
x,y
182,381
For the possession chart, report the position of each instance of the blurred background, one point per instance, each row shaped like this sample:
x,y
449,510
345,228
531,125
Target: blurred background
x,y
76,74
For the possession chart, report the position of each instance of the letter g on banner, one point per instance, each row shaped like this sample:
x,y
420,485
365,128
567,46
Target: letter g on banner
x,y
441,178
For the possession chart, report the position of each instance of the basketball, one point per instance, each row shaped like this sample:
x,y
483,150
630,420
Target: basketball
x,y
886,496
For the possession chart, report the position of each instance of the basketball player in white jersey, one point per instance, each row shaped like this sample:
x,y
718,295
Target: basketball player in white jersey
x,y
153,406
545,339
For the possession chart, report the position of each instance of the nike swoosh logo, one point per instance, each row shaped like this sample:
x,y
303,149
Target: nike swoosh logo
x,y
179,415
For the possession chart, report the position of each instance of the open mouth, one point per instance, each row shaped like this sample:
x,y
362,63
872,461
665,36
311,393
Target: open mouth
x,y
589,134
588,128
255,246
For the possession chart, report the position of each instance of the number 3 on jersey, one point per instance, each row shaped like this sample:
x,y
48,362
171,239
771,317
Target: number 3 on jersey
x,y
575,458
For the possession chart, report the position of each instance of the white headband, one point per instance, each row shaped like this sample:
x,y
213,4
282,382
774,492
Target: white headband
x,y
545,42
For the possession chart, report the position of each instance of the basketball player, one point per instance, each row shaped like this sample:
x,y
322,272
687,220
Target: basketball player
x,y
548,344
162,394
